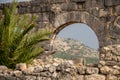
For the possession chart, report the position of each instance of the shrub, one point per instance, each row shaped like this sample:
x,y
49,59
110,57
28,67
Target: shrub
x,y
17,42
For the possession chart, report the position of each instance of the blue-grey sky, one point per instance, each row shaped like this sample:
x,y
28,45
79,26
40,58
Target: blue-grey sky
x,y
82,33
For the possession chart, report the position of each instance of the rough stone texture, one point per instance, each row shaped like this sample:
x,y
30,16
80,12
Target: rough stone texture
x,y
109,63
95,77
91,70
101,15
51,68
112,2
21,66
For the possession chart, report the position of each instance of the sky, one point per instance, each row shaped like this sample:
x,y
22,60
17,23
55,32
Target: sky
x,y
80,32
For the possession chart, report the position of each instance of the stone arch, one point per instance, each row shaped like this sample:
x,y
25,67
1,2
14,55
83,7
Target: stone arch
x,y
68,18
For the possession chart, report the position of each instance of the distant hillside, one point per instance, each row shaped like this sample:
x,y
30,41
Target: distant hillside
x,y
71,49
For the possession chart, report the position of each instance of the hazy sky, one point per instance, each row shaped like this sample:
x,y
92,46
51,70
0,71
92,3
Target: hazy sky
x,y
82,33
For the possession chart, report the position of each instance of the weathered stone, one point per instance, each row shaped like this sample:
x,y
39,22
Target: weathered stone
x,y
117,8
102,13
89,12
10,78
102,56
29,70
79,77
17,73
111,77
112,2
95,11
46,74
66,76
21,66
108,56
57,1
81,70
94,77
78,0
111,63
2,68
38,69
60,13
90,70
102,63
52,68
29,78
115,71
118,58
116,67
54,75
43,78
114,58
105,70
2,78
56,8
69,7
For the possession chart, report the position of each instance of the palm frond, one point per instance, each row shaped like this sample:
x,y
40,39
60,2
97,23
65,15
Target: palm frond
x,y
18,40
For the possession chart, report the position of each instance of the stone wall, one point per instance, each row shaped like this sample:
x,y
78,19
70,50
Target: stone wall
x,y
48,68
103,16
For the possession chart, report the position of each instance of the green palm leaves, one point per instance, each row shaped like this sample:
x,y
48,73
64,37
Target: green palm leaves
x,y
18,40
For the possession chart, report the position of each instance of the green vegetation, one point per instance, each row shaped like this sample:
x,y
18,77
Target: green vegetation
x,y
64,55
92,60
18,40
69,56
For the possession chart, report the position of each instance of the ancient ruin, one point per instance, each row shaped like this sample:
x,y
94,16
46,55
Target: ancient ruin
x,y
103,16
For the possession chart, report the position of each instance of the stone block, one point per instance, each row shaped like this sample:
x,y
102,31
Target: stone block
x,y
57,1
45,74
102,13
17,73
102,56
102,63
100,3
3,68
110,63
79,77
69,7
95,11
29,78
94,77
78,0
29,70
105,70
2,78
81,70
117,9
47,1
111,77
112,2
108,56
21,66
116,71
91,70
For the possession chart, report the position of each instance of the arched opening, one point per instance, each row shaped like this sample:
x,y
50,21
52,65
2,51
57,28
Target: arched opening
x,y
77,41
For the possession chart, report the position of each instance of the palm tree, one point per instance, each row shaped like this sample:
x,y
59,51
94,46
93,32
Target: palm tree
x,y
18,42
